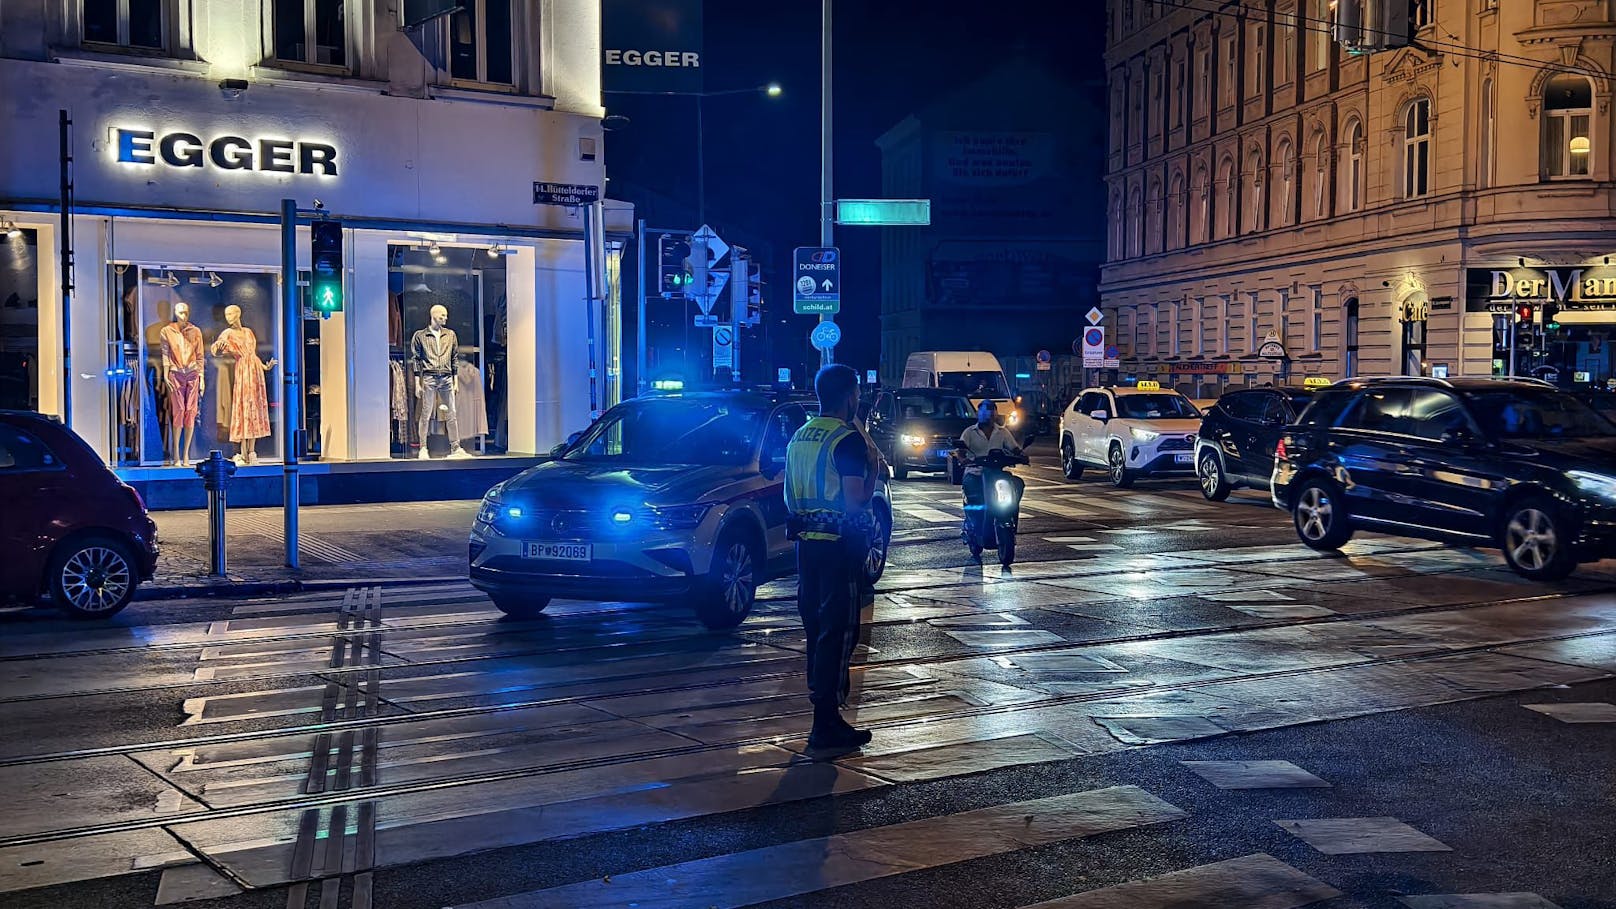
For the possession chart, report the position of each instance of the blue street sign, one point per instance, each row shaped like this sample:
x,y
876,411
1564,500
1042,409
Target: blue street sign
x,y
816,284
825,336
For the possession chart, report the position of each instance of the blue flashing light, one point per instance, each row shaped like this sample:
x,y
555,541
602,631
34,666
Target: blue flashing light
x,y
514,511
622,517
1023,375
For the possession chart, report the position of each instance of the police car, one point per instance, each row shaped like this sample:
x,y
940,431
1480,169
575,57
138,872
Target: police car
x,y
1129,432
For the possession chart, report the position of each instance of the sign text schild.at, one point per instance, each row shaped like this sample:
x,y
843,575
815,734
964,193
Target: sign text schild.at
x,y
816,285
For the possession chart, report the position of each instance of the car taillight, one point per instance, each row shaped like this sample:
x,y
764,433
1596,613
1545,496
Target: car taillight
x,y
1279,450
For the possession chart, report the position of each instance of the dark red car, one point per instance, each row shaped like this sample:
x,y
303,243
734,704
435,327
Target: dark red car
x,y
68,526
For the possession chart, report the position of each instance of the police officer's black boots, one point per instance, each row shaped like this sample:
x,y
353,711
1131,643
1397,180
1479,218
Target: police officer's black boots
x,y
831,732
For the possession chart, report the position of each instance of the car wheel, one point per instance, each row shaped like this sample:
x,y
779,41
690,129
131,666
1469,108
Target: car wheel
x,y
1535,540
900,473
92,578
727,594
1214,485
875,559
1070,467
1320,516
519,605
1121,476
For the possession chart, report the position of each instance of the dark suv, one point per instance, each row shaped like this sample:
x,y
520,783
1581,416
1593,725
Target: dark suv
x,y
69,527
1510,463
1235,446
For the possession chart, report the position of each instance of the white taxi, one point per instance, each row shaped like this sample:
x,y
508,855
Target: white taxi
x,y
1129,432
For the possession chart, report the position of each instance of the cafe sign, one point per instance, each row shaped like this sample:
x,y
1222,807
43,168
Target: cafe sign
x,y
1571,288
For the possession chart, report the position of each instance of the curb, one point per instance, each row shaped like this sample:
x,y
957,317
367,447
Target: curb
x,y
237,589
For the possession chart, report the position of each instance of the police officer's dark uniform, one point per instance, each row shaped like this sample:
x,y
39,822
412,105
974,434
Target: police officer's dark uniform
x,y
831,546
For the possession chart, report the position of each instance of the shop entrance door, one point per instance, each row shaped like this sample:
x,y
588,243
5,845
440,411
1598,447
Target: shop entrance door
x,y
19,319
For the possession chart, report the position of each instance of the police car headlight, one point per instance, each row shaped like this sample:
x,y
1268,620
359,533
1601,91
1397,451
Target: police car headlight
x,y
911,440
1596,484
678,517
1145,435
491,508
1003,493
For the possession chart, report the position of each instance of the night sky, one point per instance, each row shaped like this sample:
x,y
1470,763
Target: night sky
x,y
892,57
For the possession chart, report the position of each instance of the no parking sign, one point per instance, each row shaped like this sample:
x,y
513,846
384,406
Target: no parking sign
x,y
1093,346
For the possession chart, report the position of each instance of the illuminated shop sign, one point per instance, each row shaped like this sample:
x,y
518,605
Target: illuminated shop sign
x,y
148,148
1578,287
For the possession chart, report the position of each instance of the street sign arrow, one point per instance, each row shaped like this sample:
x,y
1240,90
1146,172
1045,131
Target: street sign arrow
x,y
717,249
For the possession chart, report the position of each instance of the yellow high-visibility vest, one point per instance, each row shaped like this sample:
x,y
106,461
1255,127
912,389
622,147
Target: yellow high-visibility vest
x,y
813,484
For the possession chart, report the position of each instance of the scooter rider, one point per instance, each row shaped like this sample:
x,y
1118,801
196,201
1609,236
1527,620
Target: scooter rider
x,y
987,435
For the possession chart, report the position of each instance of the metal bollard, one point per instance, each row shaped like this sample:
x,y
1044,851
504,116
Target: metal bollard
x,y
215,470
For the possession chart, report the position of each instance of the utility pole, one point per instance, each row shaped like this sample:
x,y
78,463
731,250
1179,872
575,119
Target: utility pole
x,y
827,202
291,381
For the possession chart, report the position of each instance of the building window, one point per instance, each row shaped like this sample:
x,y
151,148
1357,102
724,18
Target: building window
x,y
1153,218
125,23
1254,192
1252,326
1321,162
1199,311
1257,60
1202,231
1350,340
1285,62
1179,91
481,45
1175,213
1317,322
1119,227
1223,322
1287,184
1567,114
1203,82
1173,330
1419,13
1417,149
311,31
1231,192
1489,133
1320,22
1353,187
1140,347
1230,71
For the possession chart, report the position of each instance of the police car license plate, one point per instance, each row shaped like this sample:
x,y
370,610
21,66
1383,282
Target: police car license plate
x,y
558,552
1183,459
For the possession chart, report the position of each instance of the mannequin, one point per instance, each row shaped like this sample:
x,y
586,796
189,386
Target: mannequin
x,y
249,403
183,358
434,350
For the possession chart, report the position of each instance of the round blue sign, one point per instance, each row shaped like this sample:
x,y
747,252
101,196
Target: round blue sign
x,y
825,335
1094,337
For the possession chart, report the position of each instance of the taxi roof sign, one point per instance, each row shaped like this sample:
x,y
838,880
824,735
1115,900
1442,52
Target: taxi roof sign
x,y
1148,385
1315,382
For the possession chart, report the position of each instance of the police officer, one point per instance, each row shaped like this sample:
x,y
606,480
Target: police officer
x,y
830,480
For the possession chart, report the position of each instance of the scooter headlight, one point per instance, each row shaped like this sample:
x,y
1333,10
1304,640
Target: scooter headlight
x,y
1004,494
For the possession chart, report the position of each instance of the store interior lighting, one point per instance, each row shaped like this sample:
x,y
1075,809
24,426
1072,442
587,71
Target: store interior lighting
x,y
12,230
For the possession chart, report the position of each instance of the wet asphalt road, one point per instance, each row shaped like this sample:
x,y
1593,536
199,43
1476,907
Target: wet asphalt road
x,y
1415,720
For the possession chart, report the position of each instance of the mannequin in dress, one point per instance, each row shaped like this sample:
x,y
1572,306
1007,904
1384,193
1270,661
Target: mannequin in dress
x,y
183,359
249,403
434,350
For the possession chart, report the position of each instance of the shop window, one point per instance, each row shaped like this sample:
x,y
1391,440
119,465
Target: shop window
x,y
1352,185
1567,138
311,31
446,330
194,365
134,24
19,318
1350,340
1417,149
481,42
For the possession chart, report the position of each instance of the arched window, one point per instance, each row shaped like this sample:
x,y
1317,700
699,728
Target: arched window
x,y
1119,226
1489,135
1417,149
1176,238
1136,224
1201,226
1285,196
1253,178
1352,184
1321,174
1568,103
1153,217
1230,192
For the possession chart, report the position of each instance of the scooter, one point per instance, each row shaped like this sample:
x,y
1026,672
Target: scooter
x,y
991,524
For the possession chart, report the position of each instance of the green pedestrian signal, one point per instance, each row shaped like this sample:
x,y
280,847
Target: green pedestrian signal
x,y
325,272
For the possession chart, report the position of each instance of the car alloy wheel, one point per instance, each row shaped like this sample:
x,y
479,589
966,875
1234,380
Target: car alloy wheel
x,y
1314,513
95,579
1121,476
875,559
1213,484
1534,541
736,583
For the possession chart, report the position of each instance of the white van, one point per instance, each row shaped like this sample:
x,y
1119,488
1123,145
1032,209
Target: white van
x,y
974,374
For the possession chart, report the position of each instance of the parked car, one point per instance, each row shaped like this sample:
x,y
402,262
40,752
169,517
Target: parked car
x,y
915,428
71,530
1129,432
664,498
1515,464
1235,446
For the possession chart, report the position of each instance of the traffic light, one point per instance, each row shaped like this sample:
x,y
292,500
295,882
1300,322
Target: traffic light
x,y
673,273
697,265
325,266
1551,317
1524,313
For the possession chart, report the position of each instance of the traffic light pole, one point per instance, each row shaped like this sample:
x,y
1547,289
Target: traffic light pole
x,y
639,315
291,380
827,202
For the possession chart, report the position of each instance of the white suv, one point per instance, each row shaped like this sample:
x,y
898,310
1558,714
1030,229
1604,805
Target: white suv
x,y
1130,432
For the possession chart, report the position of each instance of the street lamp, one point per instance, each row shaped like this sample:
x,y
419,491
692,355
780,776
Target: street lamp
x,y
773,89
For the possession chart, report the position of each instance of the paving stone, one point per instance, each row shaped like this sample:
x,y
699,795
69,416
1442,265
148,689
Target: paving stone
x,y
1577,713
1255,775
1477,901
1250,882
1356,835
1151,730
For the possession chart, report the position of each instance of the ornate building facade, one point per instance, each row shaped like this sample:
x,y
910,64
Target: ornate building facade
x,y
1373,213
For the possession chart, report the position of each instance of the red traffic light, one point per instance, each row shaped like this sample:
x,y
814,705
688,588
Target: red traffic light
x,y
1523,312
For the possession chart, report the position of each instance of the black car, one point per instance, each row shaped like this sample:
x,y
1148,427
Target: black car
x,y
915,428
1511,463
1602,401
1235,446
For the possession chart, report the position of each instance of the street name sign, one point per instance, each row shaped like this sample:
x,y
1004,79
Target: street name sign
x,y
884,212
568,194
816,286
